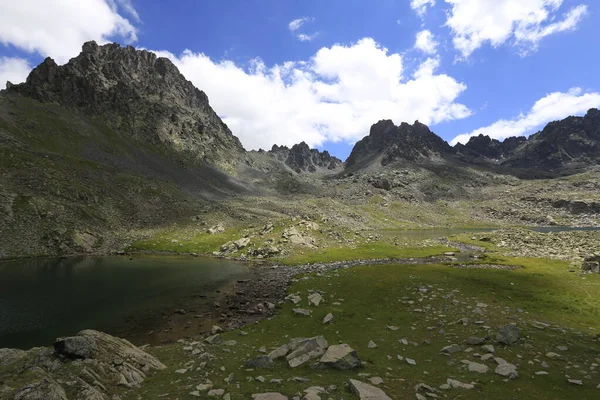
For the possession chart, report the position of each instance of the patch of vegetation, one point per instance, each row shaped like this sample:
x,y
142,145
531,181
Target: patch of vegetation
x,y
365,300
365,251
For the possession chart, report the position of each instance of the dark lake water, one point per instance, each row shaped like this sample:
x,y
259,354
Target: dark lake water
x,y
41,299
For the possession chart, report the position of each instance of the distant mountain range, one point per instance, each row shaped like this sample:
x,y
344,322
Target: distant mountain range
x,y
117,139
145,97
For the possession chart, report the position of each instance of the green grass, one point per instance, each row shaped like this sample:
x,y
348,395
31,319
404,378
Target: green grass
x,y
195,242
543,290
363,251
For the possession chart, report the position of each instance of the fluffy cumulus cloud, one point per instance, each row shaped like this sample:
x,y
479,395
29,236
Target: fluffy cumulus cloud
x,y
552,107
57,28
522,23
336,95
14,70
421,6
426,42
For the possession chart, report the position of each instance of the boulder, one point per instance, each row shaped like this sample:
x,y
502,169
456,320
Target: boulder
x,y
477,367
508,334
328,318
367,392
591,264
453,383
301,312
260,362
303,350
453,348
315,299
279,352
75,346
213,230
507,370
475,341
242,243
340,356
269,396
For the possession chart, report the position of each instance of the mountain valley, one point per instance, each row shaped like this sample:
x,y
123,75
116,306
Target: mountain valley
x,y
116,153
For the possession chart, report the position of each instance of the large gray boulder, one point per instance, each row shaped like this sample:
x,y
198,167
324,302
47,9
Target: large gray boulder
x,y
303,350
340,356
75,346
367,392
508,334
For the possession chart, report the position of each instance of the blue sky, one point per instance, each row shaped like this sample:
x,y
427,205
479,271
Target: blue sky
x,y
323,71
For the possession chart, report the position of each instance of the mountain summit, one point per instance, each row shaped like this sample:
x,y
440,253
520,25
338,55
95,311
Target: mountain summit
x,y
389,143
139,94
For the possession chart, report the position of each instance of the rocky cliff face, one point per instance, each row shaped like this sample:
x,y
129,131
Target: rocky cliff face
x,y
391,143
140,95
303,159
484,146
566,145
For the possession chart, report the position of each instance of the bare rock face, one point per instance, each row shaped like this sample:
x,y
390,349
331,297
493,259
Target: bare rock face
x,y
567,144
140,95
45,389
302,159
388,143
484,146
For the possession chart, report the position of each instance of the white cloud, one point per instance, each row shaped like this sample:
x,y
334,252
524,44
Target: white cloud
x,y
127,6
14,70
58,28
297,23
336,95
522,23
552,107
307,38
420,6
425,42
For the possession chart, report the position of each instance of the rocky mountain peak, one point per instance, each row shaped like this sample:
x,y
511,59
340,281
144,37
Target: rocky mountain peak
x,y
139,94
568,145
301,158
485,146
389,143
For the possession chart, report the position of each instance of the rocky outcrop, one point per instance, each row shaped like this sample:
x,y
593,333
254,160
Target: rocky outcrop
x,y
567,145
139,94
486,147
302,159
90,362
388,143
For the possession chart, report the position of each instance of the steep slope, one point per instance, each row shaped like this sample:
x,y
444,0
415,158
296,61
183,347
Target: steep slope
x,y
112,142
140,95
70,184
562,147
387,143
